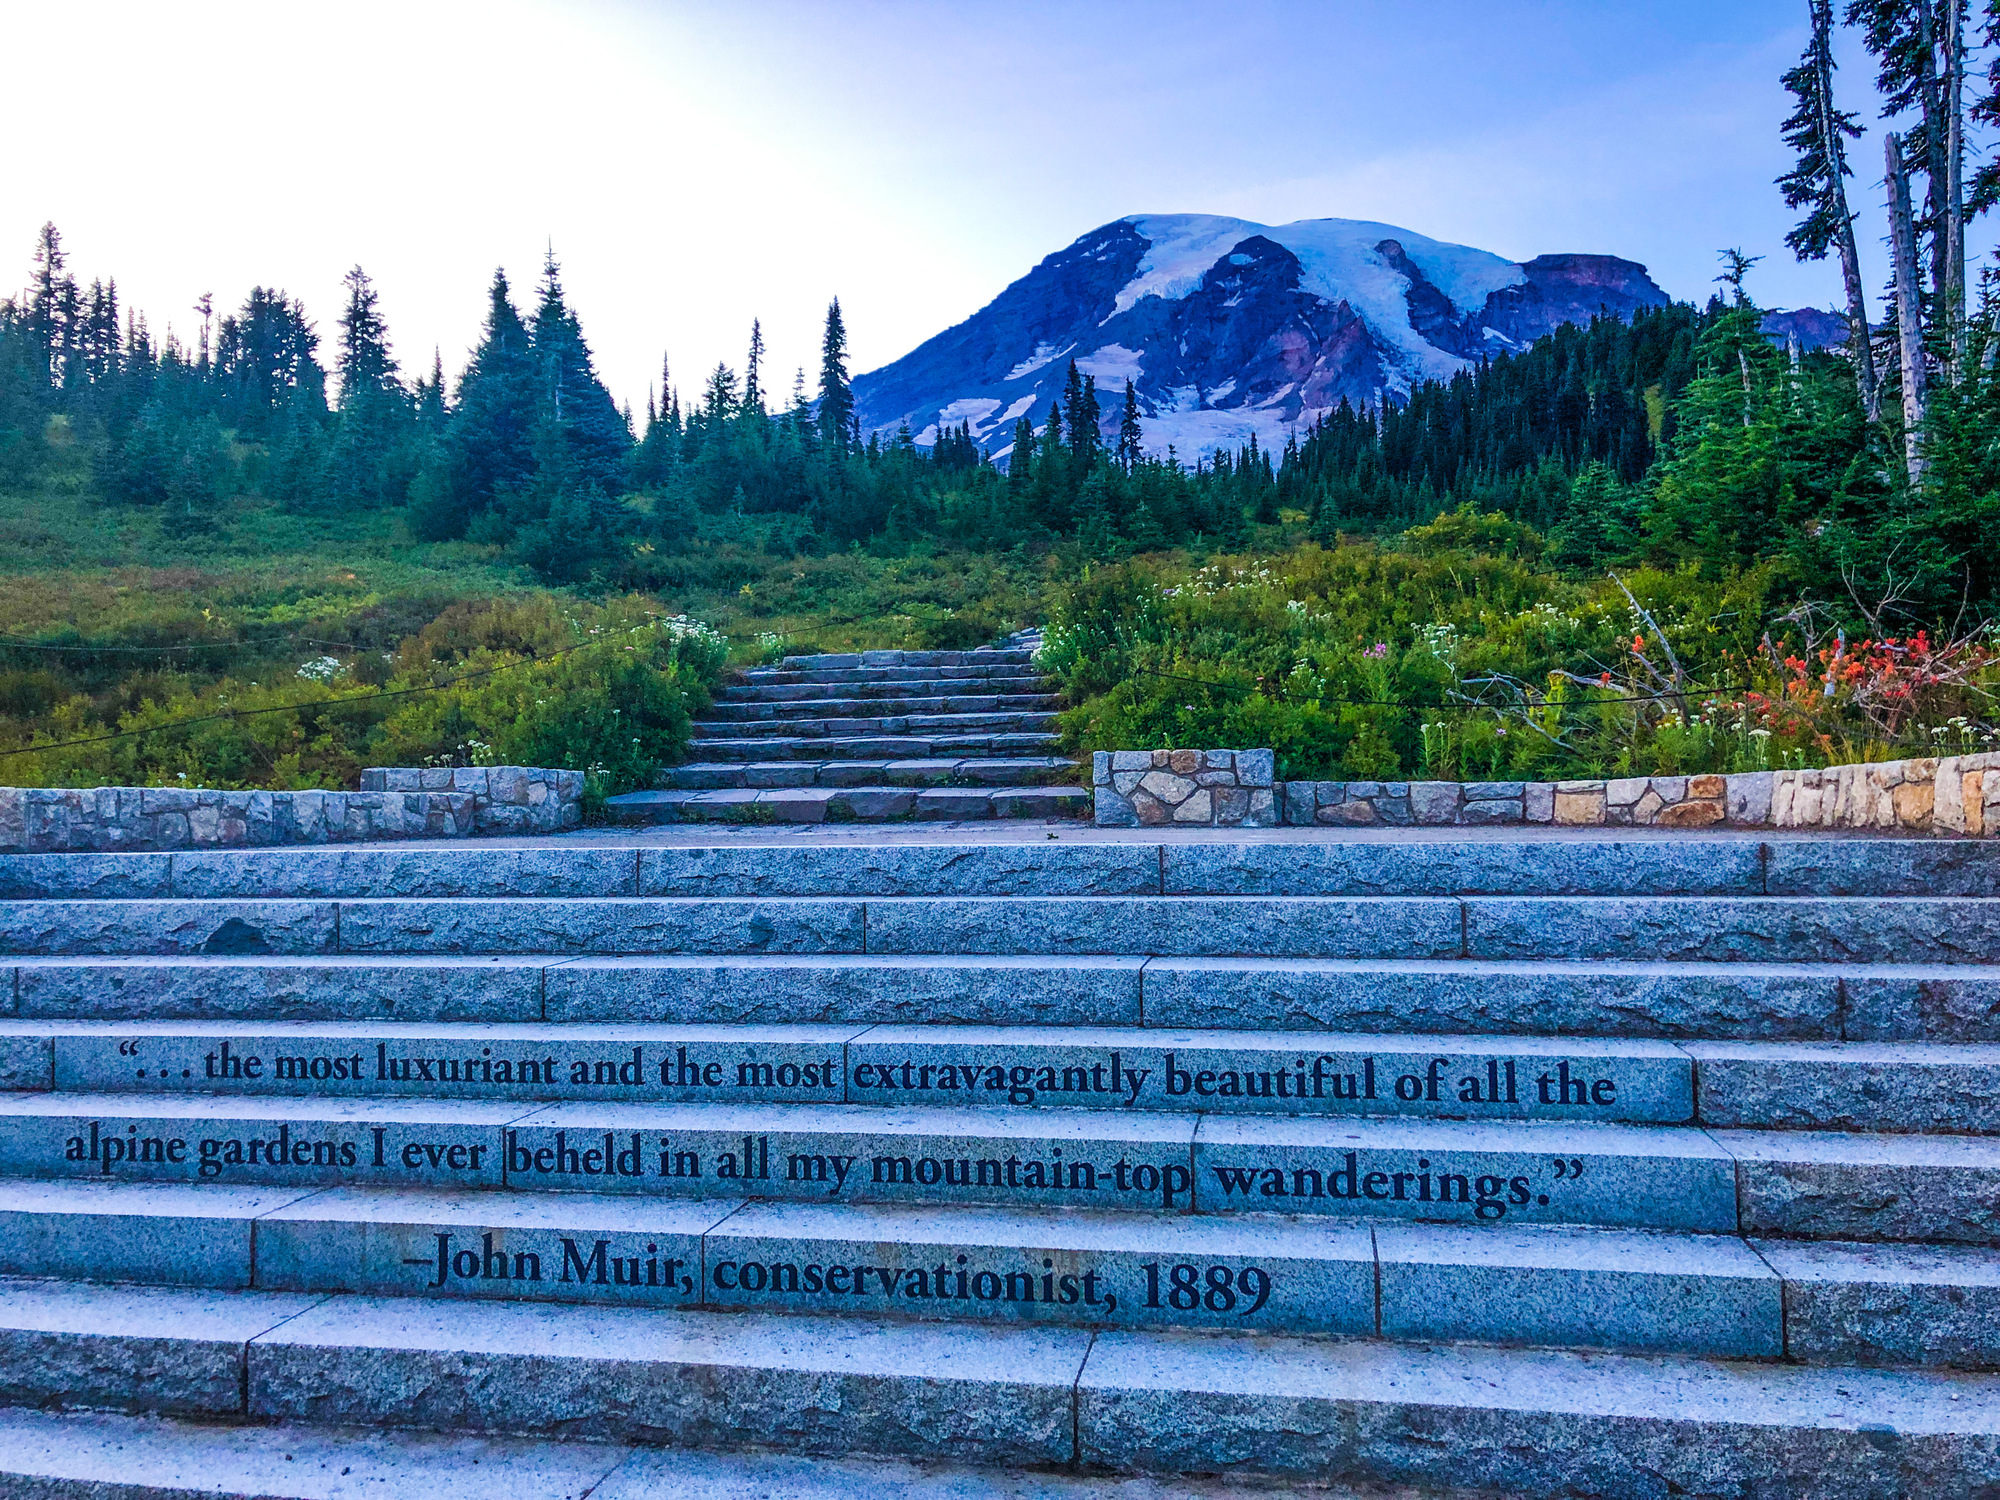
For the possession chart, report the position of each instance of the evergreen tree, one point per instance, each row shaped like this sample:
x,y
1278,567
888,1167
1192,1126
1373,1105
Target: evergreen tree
x,y
489,437
373,410
266,358
49,319
753,391
836,398
1081,418
1131,438
571,396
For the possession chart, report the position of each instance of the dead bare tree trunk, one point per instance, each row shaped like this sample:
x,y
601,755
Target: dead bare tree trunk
x,y
1860,347
1952,231
1909,307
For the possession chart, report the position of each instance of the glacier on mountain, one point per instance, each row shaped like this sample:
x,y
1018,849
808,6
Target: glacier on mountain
x,y
1229,328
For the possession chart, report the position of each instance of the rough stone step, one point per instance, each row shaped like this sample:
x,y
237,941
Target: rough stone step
x,y
1569,1288
929,745
1812,930
1919,1189
77,1455
989,657
1856,1086
901,708
1524,1421
741,988
998,771
942,1066
824,676
1003,690
1776,1002
1588,865
706,731
856,804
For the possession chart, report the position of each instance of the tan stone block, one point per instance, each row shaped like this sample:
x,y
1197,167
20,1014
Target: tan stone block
x,y
1694,813
1580,809
1973,798
1184,762
1646,810
1809,792
1347,813
1913,801
1843,809
1707,788
1160,760
1948,813
1199,808
1152,812
1784,796
1172,790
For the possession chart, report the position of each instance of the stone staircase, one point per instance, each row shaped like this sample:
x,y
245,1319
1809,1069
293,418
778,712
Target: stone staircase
x,y
874,736
1536,1166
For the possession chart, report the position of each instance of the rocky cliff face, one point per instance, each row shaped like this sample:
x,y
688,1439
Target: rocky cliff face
x,y
1813,327
1228,328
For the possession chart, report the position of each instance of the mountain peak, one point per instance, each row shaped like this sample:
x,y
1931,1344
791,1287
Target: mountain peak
x,y
1229,328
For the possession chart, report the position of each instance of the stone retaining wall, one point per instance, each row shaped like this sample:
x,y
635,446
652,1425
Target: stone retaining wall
x,y
1950,795
1189,788
393,803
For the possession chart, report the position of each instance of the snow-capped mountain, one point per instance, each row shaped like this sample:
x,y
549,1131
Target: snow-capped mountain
x,y
1229,328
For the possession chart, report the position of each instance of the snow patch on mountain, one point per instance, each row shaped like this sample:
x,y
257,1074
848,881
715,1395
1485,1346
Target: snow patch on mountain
x,y
1112,365
1045,354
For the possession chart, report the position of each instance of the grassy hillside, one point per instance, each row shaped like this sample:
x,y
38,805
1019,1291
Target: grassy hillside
x,y
108,625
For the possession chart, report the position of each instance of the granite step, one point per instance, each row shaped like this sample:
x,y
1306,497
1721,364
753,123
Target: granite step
x,y
1684,1001
1790,1184
983,657
999,771
1856,1086
1588,865
911,746
706,731
1564,1288
752,989
79,1455
1809,930
853,804
728,707
833,676
1517,1420
1004,690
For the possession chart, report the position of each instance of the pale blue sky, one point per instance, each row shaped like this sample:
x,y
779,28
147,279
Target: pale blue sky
x,y
698,164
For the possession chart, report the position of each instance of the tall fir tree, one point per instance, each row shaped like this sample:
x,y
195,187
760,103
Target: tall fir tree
x,y
489,438
1131,438
753,389
374,409
571,395
836,397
